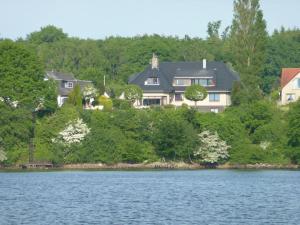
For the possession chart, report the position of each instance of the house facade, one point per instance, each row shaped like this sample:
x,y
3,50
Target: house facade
x,y
290,85
164,83
66,83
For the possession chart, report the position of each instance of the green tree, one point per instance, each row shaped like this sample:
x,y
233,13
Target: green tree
x,y
75,97
133,93
294,128
213,29
195,93
47,34
22,74
248,44
173,137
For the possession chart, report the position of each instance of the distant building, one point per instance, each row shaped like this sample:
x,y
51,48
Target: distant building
x,y
164,83
66,83
290,85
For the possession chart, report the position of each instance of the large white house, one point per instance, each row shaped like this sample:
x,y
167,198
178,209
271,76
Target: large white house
x,y
164,83
290,85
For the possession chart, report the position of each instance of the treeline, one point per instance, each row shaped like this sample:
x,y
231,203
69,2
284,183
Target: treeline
x,y
118,57
254,133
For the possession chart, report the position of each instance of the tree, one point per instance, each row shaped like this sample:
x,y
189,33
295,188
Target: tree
x,y
195,93
47,34
173,137
106,102
294,128
248,44
89,93
2,155
75,97
22,76
74,133
133,93
212,149
213,29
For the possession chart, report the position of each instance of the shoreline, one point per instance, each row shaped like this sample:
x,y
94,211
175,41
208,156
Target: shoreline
x,y
154,166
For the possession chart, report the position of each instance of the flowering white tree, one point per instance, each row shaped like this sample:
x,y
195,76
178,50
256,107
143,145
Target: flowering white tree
x,y
73,133
212,148
2,155
89,93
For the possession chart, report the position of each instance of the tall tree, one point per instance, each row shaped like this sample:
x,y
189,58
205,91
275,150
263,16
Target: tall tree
x,y
248,43
47,34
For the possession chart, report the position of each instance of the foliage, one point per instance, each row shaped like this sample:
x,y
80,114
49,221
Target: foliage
x,y
74,132
89,92
212,149
2,155
75,97
248,44
195,93
173,137
21,74
133,93
106,102
47,34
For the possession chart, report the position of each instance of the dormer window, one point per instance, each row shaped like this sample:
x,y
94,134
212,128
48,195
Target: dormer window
x,y
152,81
204,82
69,84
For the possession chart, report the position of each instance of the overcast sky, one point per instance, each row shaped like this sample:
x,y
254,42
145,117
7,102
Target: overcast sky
x,y
98,19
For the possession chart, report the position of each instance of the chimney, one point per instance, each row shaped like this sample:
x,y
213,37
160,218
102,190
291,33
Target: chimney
x,y
154,61
204,63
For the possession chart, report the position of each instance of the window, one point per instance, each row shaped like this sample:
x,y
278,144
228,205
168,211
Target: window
x,y
151,101
182,82
178,97
214,97
290,97
203,81
298,83
152,81
69,84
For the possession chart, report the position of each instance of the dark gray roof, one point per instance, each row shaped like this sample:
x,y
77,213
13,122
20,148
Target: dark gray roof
x,y
221,73
59,76
65,77
65,91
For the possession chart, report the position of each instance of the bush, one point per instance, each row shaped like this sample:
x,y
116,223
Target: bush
x,y
121,104
106,102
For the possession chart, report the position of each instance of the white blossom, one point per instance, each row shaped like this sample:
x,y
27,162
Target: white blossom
x,y
264,145
212,148
75,132
2,155
89,92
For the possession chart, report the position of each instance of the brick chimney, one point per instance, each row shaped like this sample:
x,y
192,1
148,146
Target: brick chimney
x,y
154,61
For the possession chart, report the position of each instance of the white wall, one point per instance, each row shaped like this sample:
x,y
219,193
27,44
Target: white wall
x,y
290,88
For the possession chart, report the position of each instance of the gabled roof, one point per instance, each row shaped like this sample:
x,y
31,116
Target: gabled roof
x,y
219,71
287,74
60,76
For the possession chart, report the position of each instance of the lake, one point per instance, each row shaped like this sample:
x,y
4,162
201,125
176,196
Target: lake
x,y
150,197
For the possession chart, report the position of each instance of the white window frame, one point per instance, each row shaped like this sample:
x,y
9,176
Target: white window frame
x,y
149,83
175,82
292,95
69,84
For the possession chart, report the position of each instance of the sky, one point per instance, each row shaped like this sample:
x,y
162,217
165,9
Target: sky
x,y
98,19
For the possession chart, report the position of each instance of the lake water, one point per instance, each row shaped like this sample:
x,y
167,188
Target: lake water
x,y
150,197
